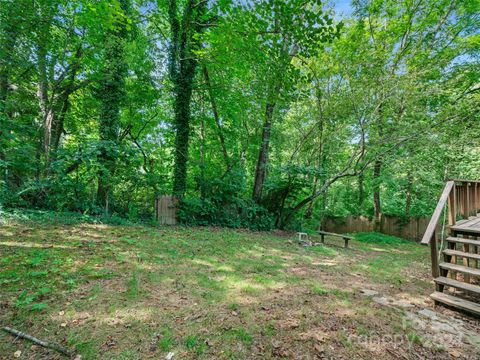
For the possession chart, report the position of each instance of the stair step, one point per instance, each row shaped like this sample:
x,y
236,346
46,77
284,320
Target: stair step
x,y
457,284
462,229
462,254
460,268
456,302
463,241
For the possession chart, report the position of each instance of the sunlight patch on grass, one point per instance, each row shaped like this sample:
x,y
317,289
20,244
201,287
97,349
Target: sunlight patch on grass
x,y
203,262
36,245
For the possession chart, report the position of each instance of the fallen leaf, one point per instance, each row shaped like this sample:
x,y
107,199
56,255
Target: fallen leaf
x,y
169,356
455,353
63,324
61,313
17,354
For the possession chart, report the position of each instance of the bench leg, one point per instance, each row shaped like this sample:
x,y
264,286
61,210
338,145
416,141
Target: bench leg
x,y
346,242
322,238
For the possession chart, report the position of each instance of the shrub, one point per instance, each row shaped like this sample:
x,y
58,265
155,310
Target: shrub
x,y
223,205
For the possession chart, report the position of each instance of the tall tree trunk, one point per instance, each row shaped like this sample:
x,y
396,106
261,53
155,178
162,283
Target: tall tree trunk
x,y
320,158
361,193
111,94
377,210
202,157
64,100
43,88
216,116
262,162
309,211
182,66
7,46
408,194
183,96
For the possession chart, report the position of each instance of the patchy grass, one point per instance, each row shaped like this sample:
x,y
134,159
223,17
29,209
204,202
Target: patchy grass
x,y
130,291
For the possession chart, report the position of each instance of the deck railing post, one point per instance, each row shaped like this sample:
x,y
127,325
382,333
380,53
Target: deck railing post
x,y
466,213
434,255
452,208
475,198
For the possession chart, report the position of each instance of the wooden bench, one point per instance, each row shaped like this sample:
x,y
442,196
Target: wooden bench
x,y
344,237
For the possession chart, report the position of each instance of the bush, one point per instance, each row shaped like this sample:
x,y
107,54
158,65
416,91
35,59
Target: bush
x,y
222,205
240,213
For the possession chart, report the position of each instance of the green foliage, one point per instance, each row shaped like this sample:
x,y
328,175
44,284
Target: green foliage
x,y
104,105
223,205
377,238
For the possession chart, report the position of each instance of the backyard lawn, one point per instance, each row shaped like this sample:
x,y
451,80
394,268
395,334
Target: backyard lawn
x,y
141,292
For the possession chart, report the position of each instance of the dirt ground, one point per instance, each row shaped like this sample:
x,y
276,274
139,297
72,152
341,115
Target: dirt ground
x,y
138,292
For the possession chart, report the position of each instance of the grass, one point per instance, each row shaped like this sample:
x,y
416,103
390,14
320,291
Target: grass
x,y
122,290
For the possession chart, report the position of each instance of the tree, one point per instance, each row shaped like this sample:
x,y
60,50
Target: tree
x,y
184,41
281,31
111,94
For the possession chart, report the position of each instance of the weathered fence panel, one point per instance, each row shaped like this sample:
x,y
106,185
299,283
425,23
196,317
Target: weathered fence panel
x,y
408,228
166,210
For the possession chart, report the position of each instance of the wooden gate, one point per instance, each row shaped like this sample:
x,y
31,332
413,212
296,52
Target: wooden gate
x,y
166,210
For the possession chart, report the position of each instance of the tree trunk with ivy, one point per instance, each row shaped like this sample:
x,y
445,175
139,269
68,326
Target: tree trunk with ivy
x,y
111,93
377,209
182,65
7,46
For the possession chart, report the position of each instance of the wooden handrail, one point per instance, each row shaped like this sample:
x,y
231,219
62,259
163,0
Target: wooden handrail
x,y
432,225
463,198
466,181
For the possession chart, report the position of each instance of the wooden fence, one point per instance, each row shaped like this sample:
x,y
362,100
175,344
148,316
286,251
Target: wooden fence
x,y
166,210
407,228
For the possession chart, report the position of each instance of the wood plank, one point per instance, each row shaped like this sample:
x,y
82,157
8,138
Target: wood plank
x,y
333,234
456,302
452,212
466,199
466,261
460,268
470,222
434,256
461,254
437,213
463,241
458,284
469,230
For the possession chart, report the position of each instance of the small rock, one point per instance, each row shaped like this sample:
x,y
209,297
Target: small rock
x,y
17,354
78,357
61,313
63,324
234,313
428,314
169,356
381,300
368,292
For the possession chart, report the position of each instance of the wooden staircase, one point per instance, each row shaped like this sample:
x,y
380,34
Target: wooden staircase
x,y
456,271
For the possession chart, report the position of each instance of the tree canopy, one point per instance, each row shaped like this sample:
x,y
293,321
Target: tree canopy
x,y
253,113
